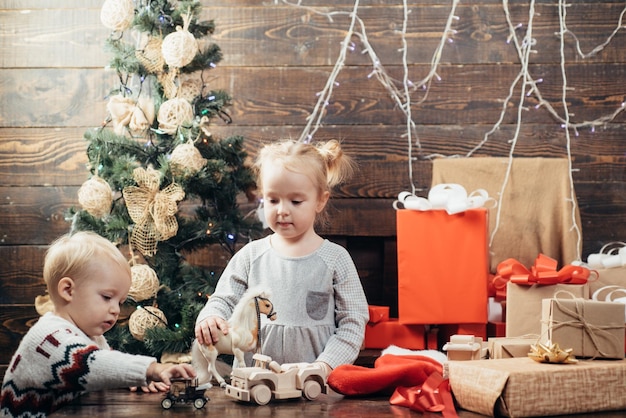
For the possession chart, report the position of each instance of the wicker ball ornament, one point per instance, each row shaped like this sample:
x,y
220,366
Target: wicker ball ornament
x,y
144,284
186,159
150,55
117,14
173,113
144,318
96,197
189,89
179,48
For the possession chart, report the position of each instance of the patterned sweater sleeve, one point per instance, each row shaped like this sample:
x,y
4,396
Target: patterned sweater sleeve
x,y
56,362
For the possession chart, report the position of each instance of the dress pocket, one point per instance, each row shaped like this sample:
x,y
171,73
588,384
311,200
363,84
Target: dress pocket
x,y
317,304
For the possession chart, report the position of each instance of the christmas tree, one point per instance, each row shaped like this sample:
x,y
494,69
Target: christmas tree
x,y
161,185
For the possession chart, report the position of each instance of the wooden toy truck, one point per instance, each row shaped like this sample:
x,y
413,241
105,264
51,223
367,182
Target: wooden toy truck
x,y
268,380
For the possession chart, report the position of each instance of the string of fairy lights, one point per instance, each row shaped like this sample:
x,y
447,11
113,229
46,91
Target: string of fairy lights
x,y
402,91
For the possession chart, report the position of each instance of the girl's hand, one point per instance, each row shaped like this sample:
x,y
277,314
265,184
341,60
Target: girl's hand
x,y
208,331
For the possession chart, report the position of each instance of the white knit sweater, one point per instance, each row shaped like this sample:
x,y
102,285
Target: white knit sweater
x,y
56,362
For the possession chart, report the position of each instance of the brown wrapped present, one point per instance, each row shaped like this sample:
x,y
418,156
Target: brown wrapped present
x,y
523,305
521,387
510,347
590,328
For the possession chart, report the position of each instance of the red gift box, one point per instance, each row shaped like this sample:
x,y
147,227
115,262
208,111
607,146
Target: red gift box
x,y
383,334
378,313
443,266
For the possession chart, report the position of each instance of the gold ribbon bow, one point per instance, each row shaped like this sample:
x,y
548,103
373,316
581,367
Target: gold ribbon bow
x,y
151,209
125,111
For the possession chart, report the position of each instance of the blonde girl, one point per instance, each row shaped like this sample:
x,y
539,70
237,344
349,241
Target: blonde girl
x,y
314,285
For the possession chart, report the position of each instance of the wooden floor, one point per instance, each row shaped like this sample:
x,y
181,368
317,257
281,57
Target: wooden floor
x,y
123,403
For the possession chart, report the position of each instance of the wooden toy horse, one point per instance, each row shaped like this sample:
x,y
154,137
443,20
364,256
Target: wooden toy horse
x,y
243,336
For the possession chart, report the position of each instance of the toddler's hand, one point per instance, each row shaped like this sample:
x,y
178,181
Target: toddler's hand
x,y
159,372
208,330
153,387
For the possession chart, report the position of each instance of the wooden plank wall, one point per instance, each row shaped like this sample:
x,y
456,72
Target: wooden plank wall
x,y
276,58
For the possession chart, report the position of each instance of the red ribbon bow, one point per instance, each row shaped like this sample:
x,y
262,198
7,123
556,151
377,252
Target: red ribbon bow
x,y
433,396
543,272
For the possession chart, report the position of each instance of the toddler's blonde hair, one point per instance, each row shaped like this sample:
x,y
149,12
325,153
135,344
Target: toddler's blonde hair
x,y
324,163
72,255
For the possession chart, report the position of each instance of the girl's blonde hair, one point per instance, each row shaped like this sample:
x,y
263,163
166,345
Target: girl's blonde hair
x,y
324,163
72,255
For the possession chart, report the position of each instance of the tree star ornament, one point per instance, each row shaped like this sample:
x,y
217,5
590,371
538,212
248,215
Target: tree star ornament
x,y
151,209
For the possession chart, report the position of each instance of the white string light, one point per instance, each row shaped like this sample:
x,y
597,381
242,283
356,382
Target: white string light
x,y
401,91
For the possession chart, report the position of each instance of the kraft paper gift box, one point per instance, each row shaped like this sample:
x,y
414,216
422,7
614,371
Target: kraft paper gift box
x,y
510,347
590,328
465,347
522,387
383,334
523,305
442,266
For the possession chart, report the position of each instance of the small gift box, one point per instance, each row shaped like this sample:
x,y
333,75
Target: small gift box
x,y
465,347
523,305
381,335
510,347
378,314
590,328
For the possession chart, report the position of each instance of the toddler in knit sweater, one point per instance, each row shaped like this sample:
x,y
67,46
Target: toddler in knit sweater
x,y
65,353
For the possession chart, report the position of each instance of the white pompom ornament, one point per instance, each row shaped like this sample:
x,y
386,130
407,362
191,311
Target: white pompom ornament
x,y
117,14
179,48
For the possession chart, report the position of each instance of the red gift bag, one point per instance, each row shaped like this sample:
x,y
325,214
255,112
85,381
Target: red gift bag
x,y
443,266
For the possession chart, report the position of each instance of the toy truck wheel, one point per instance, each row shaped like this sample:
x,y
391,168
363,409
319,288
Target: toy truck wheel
x,y
166,403
199,403
311,390
261,394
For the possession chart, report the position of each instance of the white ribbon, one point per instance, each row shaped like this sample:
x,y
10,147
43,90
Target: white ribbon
x,y
610,295
451,197
614,257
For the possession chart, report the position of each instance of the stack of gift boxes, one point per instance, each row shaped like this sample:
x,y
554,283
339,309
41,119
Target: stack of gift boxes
x,y
443,279
551,312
